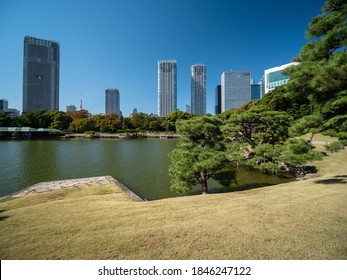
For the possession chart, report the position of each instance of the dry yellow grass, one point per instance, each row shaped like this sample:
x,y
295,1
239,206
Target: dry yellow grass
x,y
299,220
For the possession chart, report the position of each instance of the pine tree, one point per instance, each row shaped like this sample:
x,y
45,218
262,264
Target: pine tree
x,y
199,156
320,80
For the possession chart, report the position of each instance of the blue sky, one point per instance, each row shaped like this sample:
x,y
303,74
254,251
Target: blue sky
x,y
116,44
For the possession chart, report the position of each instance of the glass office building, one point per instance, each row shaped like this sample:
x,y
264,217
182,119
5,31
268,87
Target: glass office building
x,y
274,77
198,89
236,89
112,101
167,87
40,74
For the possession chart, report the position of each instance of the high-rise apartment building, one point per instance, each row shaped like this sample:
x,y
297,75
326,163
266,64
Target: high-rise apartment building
x,y
167,87
40,74
112,101
236,89
274,77
198,89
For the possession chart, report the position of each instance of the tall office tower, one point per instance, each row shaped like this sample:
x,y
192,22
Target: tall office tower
x,y
274,77
198,89
167,87
236,89
218,100
112,101
40,74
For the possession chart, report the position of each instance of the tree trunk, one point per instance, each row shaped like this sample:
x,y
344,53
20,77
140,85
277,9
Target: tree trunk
x,y
313,133
203,182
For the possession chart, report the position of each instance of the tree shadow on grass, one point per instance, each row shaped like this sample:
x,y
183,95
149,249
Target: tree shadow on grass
x,y
339,179
3,217
238,188
246,187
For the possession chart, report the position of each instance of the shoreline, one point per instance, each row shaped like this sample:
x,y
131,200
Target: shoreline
x,y
75,183
116,136
130,135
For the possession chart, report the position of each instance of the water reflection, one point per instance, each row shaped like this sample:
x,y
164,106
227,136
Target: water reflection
x,y
142,165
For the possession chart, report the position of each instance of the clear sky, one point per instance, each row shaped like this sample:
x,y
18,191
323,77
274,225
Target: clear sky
x,y
117,43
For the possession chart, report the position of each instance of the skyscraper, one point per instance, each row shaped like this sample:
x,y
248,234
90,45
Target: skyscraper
x,y
167,87
40,74
112,101
198,89
236,89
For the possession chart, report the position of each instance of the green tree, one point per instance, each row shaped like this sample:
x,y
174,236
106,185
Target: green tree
x,y
126,123
200,154
308,124
266,158
259,138
295,153
60,120
321,77
5,120
141,121
35,119
154,126
258,126
173,117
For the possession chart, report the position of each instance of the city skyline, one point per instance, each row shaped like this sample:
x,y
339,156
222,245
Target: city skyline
x,y
119,43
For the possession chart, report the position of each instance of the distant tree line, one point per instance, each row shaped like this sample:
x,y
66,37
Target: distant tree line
x,y
82,121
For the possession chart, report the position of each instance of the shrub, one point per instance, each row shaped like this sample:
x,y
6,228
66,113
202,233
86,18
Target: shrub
x,y
335,146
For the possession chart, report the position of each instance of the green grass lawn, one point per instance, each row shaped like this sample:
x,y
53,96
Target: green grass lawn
x,y
298,220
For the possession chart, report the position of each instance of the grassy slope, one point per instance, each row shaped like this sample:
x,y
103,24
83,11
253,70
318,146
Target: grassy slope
x,y
300,220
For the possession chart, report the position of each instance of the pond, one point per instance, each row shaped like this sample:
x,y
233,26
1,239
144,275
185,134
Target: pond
x,y
142,165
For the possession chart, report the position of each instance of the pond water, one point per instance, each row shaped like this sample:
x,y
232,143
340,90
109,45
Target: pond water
x,y
142,165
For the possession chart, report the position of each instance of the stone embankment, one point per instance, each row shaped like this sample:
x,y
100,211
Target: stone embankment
x,y
78,183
